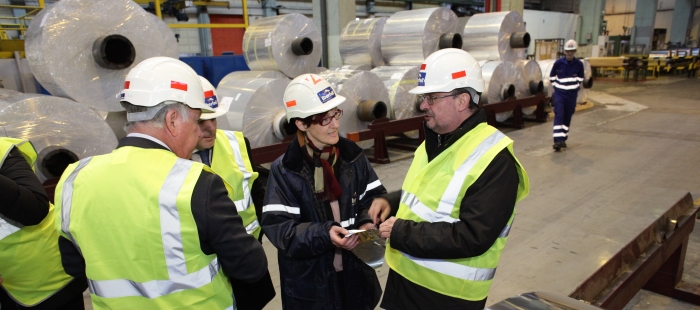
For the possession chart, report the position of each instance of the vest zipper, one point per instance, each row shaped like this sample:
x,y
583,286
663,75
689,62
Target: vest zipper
x,y
439,140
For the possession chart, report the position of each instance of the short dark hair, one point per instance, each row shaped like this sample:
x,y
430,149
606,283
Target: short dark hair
x,y
307,121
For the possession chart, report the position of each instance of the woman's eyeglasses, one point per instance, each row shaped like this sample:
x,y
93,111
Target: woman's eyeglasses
x,y
327,120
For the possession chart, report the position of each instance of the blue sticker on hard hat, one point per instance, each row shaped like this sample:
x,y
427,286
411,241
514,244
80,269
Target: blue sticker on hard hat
x,y
421,78
326,94
210,99
122,95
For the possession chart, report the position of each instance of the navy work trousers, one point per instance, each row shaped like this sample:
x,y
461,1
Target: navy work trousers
x,y
564,108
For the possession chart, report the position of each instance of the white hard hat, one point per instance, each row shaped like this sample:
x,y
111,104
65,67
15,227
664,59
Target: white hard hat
x,y
570,45
160,79
448,69
310,94
211,99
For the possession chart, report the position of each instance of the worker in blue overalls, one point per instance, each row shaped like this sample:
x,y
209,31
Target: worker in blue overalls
x,y
566,76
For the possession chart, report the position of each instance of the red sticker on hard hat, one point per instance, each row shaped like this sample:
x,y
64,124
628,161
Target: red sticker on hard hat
x,y
291,103
178,85
459,74
126,84
422,67
210,99
315,80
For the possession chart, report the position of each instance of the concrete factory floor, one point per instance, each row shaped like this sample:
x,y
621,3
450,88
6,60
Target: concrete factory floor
x,y
631,156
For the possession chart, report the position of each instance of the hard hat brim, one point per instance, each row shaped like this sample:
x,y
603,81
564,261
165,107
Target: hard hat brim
x,y
333,103
419,90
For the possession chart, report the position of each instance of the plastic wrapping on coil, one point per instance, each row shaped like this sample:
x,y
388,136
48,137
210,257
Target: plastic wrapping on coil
x,y
61,130
582,96
4,93
257,108
83,49
288,43
247,75
116,121
529,81
398,80
352,67
546,67
410,36
500,78
360,42
496,36
366,99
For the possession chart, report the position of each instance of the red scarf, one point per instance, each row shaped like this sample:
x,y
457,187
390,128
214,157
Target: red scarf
x,y
326,186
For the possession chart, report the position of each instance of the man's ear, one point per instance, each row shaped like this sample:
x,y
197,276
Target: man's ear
x,y
463,101
173,122
300,125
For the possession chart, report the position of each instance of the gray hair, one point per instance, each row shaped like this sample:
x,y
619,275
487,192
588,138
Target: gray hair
x,y
159,111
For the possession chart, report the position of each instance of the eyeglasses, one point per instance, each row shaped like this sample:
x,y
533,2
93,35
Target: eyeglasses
x,y
327,120
431,99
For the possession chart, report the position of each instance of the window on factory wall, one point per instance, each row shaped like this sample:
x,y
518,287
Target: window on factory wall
x,y
226,39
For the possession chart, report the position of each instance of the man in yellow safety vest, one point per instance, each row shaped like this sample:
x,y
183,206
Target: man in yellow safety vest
x,y
150,228
457,202
228,154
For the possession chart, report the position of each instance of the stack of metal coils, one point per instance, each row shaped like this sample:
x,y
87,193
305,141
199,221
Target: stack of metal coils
x,y
80,51
497,40
61,130
529,81
366,99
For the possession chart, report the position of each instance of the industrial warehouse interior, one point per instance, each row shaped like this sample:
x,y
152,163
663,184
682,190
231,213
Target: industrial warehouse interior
x,y
607,154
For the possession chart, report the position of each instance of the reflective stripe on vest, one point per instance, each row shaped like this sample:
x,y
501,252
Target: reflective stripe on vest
x,y
178,251
442,184
30,261
227,161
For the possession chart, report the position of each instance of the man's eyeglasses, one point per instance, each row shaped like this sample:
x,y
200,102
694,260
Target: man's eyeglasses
x,y
327,120
431,99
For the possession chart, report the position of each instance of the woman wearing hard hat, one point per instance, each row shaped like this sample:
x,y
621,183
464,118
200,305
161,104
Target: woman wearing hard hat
x,y
322,186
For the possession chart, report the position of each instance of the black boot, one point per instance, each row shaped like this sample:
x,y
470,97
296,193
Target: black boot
x,y
557,146
563,144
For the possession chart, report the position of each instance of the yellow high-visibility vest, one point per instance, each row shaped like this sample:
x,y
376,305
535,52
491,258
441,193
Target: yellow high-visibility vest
x,y
432,192
231,161
30,262
129,213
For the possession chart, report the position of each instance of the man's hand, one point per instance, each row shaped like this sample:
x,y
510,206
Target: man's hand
x,y
379,210
385,228
348,243
367,226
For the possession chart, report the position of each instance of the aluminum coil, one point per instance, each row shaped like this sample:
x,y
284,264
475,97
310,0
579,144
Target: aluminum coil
x,y
487,36
582,96
500,78
60,129
360,42
4,93
410,36
288,43
529,81
398,80
362,90
546,67
248,75
257,108
83,49
351,67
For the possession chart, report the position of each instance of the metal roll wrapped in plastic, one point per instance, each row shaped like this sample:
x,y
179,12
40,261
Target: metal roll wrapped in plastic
x,y
398,80
83,49
61,130
360,42
410,36
496,36
546,67
351,67
288,43
582,96
247,75
257,108
529,81
500,78
366,99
